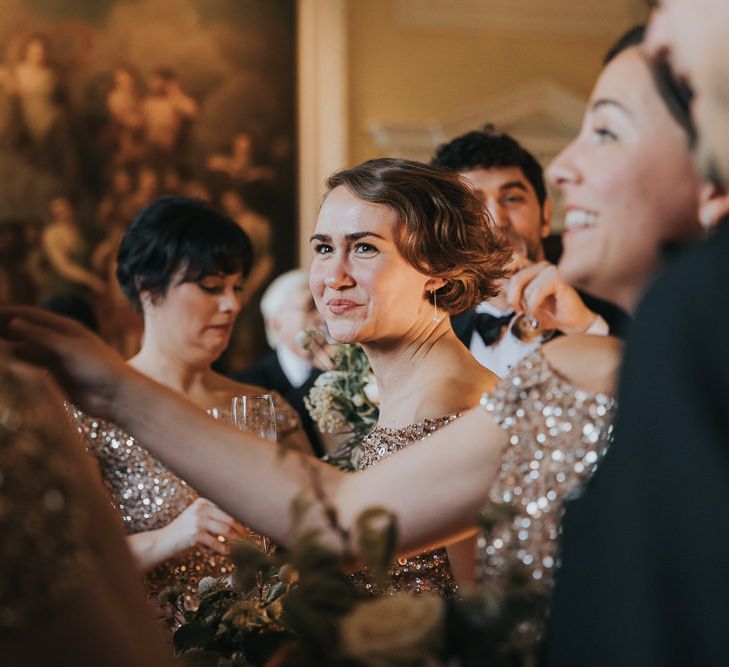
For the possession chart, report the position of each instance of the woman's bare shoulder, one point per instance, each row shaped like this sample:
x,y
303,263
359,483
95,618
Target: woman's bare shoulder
x,y
589,362
457,389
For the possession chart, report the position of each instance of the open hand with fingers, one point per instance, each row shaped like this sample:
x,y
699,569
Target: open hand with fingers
x,y
201,523
82,363
540,290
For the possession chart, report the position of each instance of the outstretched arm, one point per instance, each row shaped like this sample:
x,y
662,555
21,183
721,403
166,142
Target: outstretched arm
x,y
435,489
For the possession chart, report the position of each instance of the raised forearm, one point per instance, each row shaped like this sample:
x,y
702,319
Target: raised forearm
x,y
435,488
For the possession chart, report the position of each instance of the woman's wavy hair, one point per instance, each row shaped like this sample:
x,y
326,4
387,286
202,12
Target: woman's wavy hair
x,y
445,231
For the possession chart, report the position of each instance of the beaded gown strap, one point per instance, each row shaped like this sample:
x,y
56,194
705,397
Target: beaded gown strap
x,y
44,531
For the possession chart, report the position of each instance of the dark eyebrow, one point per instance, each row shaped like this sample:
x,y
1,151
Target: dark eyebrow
x,y
360,235
519,185
325,238
607,102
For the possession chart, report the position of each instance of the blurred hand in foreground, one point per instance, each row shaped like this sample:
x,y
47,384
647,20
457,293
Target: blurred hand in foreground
x,y
83,365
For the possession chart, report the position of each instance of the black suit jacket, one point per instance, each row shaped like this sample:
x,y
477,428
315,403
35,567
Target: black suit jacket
x,y
616,318
267,372
645,573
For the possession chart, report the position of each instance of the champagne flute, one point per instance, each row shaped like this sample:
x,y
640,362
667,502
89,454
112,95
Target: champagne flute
x,y
255,414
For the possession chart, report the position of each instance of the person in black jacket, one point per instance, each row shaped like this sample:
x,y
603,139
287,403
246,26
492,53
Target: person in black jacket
x,y
288,309
510,182
645,574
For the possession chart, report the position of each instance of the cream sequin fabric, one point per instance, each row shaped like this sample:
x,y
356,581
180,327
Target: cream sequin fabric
x,y
44,530
429,571
557,436
148,495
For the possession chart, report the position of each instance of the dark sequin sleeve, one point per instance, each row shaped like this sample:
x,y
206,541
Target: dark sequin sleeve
x,y
44,553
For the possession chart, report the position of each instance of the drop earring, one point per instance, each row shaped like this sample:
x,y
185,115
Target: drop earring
x,y
436,315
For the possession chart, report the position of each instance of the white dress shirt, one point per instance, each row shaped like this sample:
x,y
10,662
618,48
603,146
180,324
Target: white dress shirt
x,y
295,368
500,357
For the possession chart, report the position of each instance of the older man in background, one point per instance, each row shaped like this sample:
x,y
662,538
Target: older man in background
x,y
288,309
645,573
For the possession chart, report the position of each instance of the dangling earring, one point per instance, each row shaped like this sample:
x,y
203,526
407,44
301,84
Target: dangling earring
x,y
436,315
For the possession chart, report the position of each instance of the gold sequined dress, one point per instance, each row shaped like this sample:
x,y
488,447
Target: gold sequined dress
x,y
148,495
428,571
45,530
558,434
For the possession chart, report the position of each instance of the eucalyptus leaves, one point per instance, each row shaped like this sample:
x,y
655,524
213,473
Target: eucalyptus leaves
x,y
344,399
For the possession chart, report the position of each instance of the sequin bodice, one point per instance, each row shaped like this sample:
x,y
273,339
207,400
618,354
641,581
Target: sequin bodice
x,y
148,495
557,436
429,571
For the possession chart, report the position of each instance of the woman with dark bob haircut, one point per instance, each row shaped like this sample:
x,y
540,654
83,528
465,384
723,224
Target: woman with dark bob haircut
x,y
183,265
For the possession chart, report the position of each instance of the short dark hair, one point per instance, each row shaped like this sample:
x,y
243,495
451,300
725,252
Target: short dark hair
x,y
675,94
176,234
488,149
444,230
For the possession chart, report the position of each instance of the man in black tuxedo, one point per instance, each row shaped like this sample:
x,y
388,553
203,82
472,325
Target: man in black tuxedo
x,y
645,565
509,180
288,308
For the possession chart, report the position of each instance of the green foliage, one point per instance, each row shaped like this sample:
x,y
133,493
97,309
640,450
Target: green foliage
x,y
343,401
295,597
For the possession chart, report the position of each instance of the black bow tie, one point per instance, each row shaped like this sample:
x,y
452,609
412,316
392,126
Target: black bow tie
x,y
489,326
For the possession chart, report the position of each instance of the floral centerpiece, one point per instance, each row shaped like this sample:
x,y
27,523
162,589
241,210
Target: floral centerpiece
x,y
344,400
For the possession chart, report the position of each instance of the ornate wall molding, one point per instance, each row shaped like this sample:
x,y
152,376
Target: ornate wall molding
x,y
543,115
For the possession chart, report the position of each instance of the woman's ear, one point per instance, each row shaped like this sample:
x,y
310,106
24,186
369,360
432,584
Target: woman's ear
x,y
433,284
713,205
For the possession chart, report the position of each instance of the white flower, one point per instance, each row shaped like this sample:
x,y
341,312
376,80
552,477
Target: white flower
x,y
371,391
397,630
328,378
358,400
208,584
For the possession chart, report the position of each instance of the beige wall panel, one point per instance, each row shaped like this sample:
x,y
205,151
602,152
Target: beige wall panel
x,y
420,62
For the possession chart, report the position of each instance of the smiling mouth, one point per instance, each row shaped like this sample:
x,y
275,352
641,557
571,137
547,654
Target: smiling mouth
x,y
340,306
579,219
223,328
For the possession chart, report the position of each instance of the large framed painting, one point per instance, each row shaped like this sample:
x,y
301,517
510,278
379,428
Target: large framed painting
x,y
106,105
